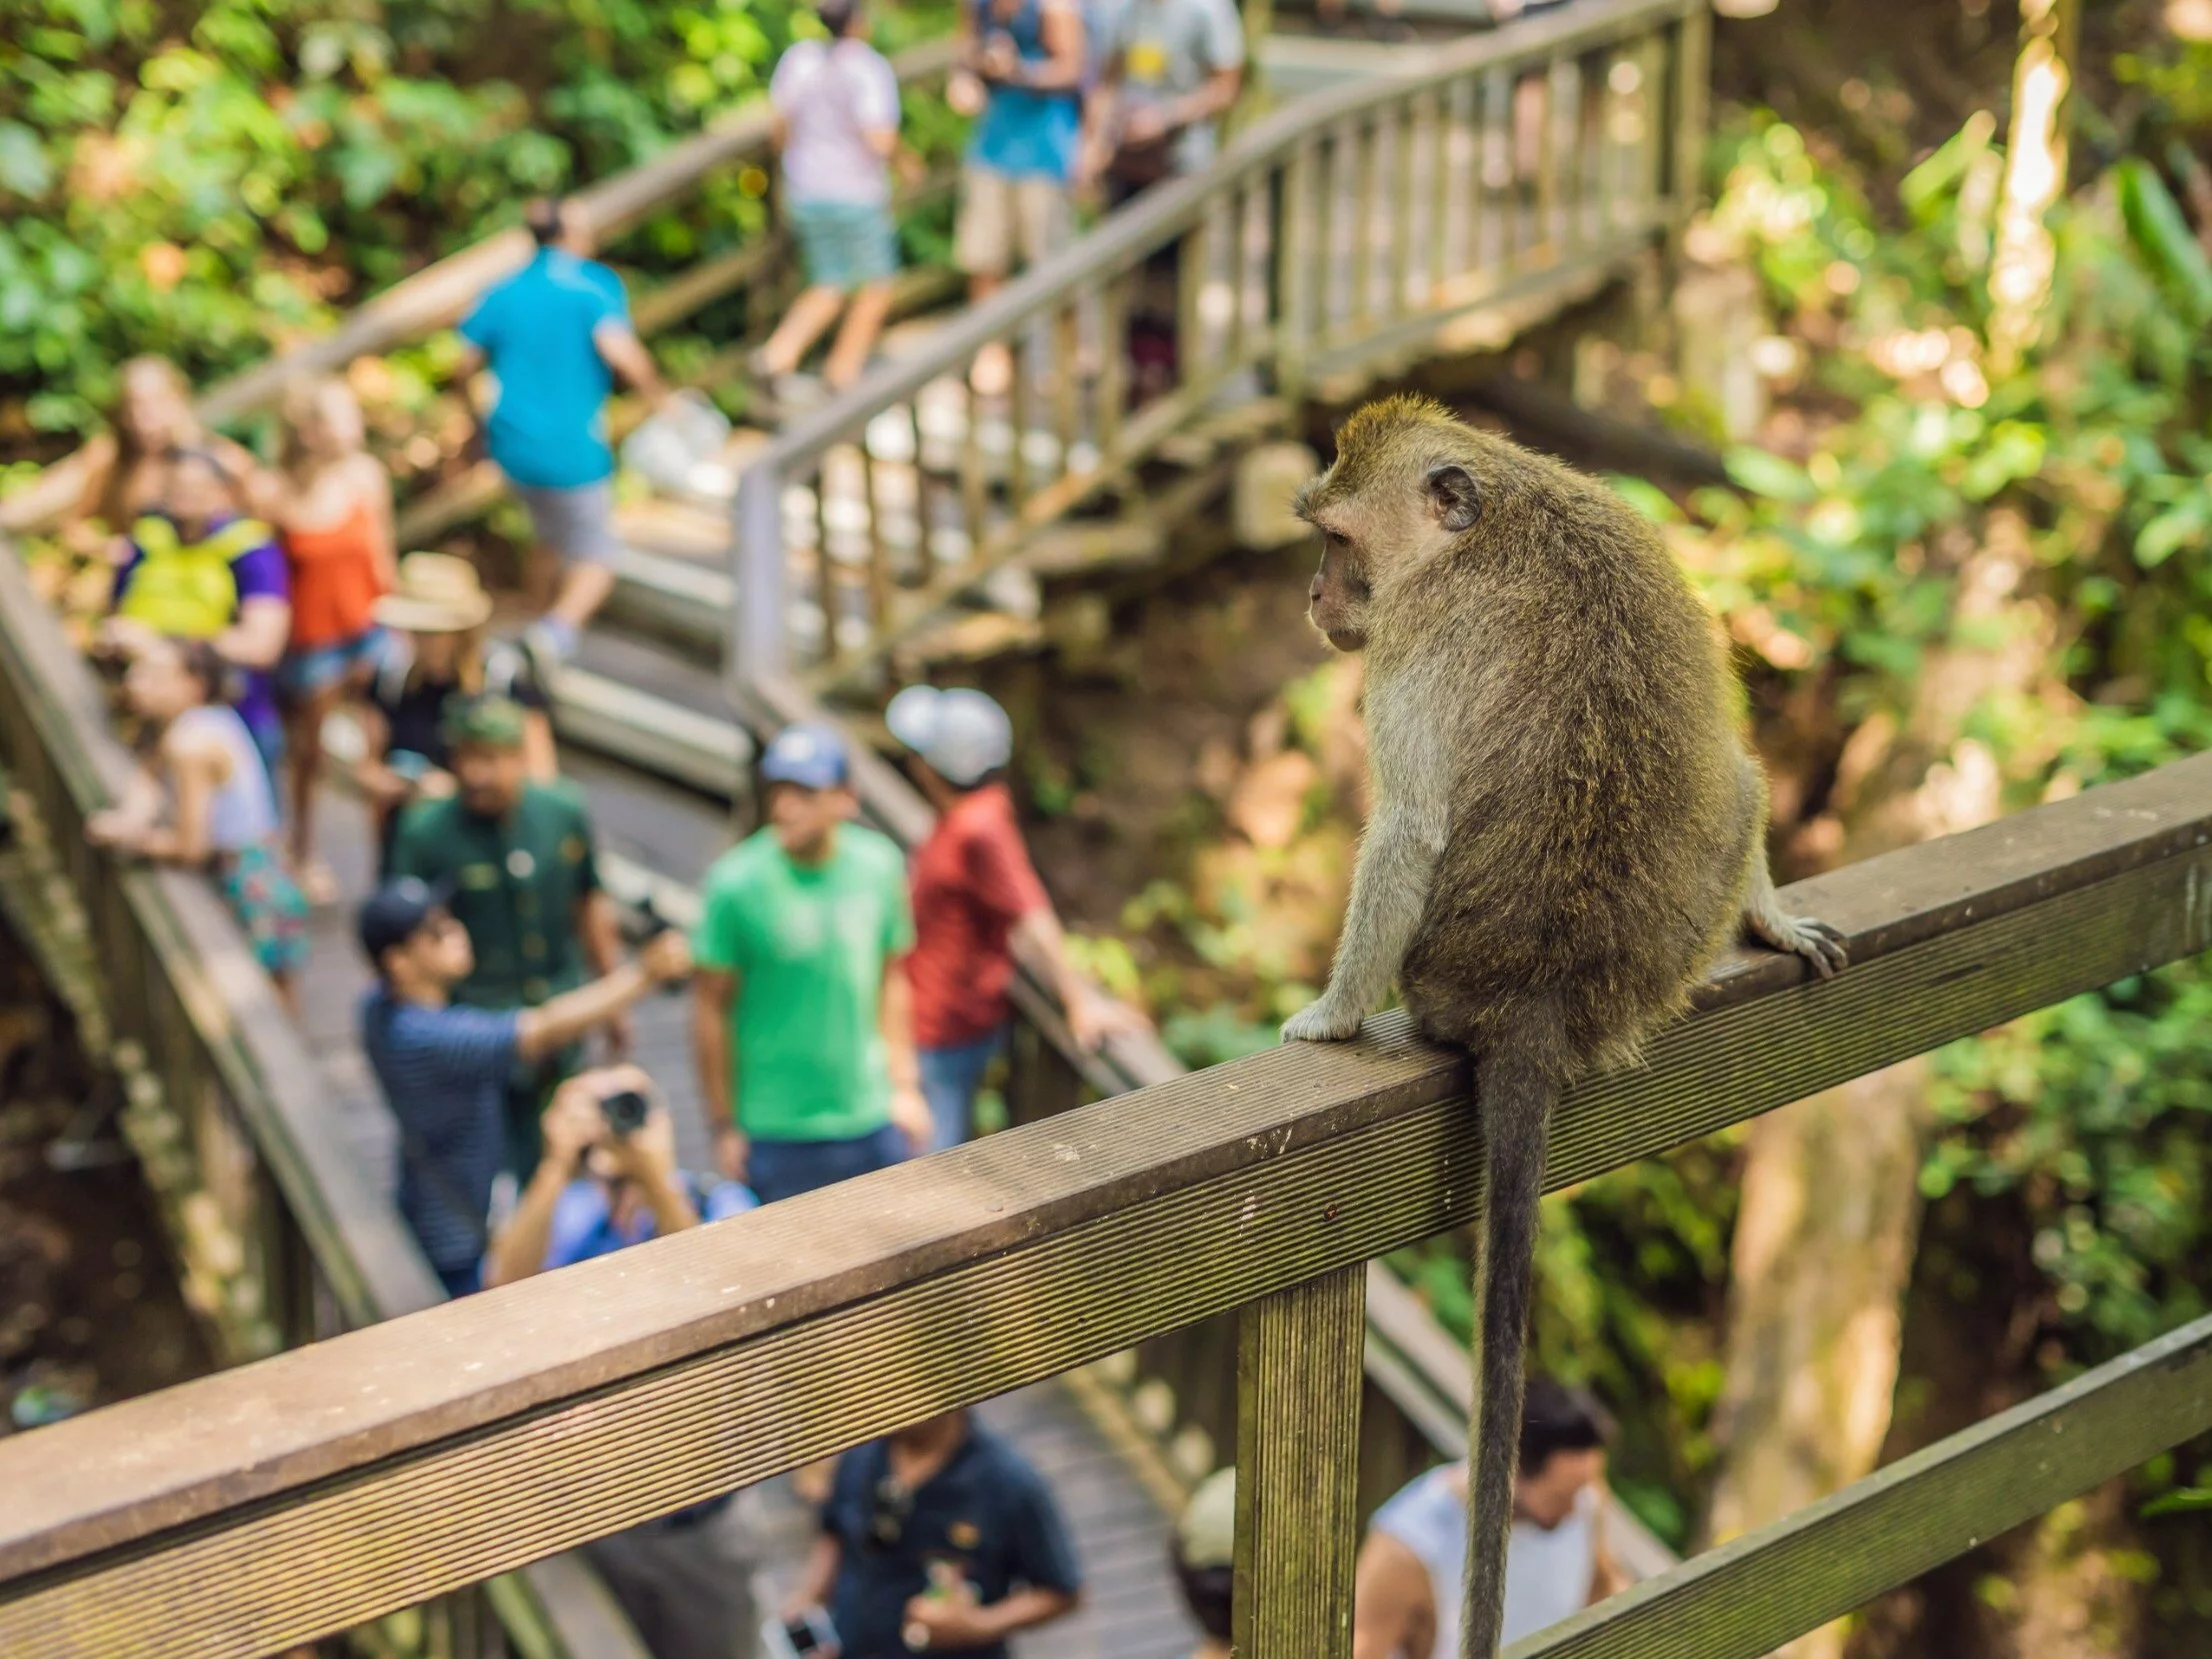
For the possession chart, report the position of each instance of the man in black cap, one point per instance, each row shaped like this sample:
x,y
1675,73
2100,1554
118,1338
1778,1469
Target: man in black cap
x,y
444,1067
516,860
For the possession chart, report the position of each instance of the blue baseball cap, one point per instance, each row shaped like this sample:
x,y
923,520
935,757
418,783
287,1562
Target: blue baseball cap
x,y
811,755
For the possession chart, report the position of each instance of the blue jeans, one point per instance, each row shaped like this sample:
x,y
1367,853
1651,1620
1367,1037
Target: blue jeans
x,y
784,1169
950,1079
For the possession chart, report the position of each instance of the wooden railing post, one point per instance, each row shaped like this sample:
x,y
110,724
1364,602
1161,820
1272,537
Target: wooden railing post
x,y
1299,1366
757,618
1693,39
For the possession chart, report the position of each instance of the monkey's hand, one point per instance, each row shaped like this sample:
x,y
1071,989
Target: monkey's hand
x,y
1816,942
1325,1021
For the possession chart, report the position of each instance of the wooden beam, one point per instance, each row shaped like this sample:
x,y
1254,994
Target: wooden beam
x,y
1298,1396
311,1491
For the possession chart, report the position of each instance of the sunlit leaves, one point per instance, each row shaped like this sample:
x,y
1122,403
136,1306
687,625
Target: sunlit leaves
x,y
238,170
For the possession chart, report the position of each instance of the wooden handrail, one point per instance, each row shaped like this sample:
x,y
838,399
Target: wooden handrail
x,y
302,1494
181,984
1162,214
374,1268
1582,223
1754,1593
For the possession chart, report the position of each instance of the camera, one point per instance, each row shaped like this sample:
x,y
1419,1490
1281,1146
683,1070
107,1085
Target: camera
x,y
809,1633
625,1111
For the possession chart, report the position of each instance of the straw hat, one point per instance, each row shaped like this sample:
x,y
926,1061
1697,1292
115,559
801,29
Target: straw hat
x,y
436,594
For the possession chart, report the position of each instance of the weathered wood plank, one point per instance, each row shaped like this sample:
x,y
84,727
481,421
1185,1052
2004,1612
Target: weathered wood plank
x,y
1298,1399
528,1419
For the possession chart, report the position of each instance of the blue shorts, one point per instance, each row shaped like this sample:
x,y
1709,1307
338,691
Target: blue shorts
x,y
844,245
303,673
784,1169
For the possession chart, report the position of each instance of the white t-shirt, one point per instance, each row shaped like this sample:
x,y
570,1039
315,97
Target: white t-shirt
x,y
831,95
1547,1574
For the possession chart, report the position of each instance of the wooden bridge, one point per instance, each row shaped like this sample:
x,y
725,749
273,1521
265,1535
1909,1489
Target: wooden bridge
x,y
403,1463
1374,222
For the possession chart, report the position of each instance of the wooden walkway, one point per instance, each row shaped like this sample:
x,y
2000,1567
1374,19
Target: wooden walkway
x,y
1131,1610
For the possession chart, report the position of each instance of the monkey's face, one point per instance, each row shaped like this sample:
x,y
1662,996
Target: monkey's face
x,y
1340,594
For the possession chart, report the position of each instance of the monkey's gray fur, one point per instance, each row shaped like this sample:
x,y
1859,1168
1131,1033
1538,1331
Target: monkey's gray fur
x,y
1566,831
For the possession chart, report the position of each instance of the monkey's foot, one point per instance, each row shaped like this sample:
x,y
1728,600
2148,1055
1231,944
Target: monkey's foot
x,y
1815,941
1321,1022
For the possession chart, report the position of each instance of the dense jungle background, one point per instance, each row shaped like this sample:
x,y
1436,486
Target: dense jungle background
x,y
1962,551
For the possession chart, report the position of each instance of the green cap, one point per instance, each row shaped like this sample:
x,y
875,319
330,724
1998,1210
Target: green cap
x,y
1206,1535
492,720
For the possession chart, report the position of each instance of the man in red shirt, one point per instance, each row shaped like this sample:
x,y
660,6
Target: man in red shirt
x,y
976,898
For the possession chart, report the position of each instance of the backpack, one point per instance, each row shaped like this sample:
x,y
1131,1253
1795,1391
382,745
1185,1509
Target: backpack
x,y
187,589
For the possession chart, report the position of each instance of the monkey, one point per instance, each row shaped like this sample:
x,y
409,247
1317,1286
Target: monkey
x,y
1567,824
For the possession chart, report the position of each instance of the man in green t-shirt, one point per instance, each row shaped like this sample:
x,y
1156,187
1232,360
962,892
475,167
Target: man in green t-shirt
x,y
802,1017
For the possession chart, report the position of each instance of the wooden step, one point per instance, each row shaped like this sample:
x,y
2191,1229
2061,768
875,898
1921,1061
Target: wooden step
x,y
708,752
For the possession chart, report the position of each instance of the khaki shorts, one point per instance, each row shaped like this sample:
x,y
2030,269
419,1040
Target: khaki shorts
x,y
1004,222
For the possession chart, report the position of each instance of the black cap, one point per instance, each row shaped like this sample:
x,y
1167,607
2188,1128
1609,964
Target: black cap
x,y
395,912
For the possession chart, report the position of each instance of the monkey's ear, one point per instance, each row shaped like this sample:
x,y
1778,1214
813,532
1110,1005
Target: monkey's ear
x,y
1453,495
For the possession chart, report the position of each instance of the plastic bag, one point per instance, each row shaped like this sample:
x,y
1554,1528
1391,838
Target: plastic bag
x,y
673,447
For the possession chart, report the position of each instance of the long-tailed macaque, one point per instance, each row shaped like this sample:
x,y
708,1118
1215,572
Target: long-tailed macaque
x,y
1567,827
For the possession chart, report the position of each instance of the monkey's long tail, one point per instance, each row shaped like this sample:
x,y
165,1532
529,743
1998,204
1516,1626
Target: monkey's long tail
x,y
1516,1094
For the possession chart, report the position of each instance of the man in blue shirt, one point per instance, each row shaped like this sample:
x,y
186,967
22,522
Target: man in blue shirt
x,y
939,1539
609,1180
1022,67
555,335
444,1067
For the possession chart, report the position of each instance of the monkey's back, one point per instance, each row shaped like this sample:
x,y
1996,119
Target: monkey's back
x,y
1600,827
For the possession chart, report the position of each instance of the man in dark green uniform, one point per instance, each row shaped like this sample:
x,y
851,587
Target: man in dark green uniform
x,y
518,859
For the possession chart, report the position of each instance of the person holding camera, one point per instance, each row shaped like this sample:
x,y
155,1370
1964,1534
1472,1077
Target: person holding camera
x,y
445,1067
607,1179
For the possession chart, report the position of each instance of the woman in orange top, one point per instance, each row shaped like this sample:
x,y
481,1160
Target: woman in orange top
x,y
331,501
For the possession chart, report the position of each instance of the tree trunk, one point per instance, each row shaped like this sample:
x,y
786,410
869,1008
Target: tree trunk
x,y
1823,1253
2035,176
1830,1214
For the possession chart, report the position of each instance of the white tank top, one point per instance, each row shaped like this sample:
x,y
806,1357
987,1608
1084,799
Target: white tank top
x,y
1547,1574
243,811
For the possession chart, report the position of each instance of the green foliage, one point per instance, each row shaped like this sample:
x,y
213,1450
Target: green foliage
x,y
2095,1114
1905,455
1910,454
214,181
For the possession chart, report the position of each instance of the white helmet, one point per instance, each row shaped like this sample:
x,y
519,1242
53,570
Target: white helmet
x,y
963,734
